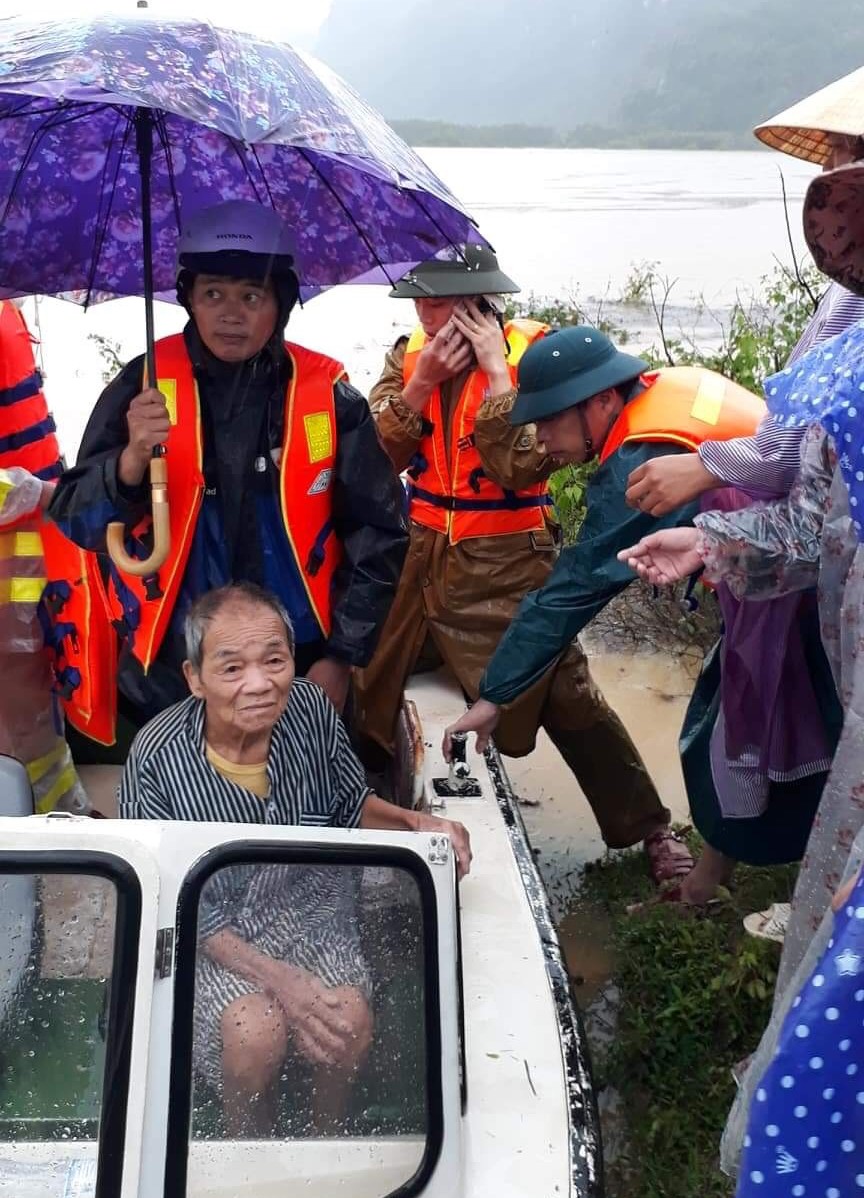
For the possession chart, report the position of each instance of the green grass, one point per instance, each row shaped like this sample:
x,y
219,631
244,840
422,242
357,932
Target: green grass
x,y
695,998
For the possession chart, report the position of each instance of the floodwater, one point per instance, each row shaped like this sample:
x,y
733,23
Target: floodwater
x,y
565,223
650,693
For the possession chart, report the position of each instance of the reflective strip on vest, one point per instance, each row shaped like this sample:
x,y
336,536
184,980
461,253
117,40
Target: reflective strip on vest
x,y
81,635
306,474
21,590
20,544
27,429
686,405
450,493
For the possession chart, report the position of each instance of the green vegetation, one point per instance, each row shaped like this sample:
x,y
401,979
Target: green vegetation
x,y
593,137
755,338
669,73
695,996
109,352
695,990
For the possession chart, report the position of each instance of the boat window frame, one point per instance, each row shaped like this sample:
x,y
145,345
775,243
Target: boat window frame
x,y
124,877
460,998
246,852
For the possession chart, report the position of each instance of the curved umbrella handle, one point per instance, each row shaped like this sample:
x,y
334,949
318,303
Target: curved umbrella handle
x,y
161,528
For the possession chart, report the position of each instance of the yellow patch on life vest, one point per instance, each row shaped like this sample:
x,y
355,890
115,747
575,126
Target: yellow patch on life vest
x,y
20,544
21,590
709,399
319,439
168,387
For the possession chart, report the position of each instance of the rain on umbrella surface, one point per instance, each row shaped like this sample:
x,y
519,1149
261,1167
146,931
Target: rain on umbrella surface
x,y
234,117
114,130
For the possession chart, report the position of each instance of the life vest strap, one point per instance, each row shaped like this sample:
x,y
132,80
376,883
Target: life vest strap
x,y
417,466
509,503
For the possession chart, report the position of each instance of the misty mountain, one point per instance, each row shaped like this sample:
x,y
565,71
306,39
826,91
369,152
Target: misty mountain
x,y
676,65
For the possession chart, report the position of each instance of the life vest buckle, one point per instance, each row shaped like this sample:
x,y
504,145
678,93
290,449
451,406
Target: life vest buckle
x,y
152,589
417,466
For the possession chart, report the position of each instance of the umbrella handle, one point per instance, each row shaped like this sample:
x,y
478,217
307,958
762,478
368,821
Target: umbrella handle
x,y
161,528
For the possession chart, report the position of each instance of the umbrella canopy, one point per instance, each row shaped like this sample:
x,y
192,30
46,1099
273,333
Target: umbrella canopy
x,y
230,117
803,130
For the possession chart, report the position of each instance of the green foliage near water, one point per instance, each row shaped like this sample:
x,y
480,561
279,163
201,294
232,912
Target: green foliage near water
x,y
756,337
695,996
593,137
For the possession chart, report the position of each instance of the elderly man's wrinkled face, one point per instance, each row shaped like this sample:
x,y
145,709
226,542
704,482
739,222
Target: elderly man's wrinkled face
x,y
235,317
246,670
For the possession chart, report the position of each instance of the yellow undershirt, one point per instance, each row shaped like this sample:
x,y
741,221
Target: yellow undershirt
x,y
250,777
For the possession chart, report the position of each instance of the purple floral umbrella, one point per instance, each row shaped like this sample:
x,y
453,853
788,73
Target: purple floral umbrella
x,y
115,129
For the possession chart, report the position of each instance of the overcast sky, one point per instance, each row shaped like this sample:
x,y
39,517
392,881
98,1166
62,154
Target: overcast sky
x,y
289,20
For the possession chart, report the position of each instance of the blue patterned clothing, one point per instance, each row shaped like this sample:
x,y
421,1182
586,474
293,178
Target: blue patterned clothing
x,y
805,1135
826,386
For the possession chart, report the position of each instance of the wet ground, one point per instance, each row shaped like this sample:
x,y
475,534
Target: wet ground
x,y
650,693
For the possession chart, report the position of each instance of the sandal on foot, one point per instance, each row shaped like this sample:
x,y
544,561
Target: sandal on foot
x,y
770,924
672,894
669,859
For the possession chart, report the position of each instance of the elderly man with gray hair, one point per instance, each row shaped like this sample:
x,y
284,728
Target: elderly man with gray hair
x,y
252,744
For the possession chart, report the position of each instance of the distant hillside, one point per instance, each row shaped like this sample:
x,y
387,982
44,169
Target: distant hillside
x,y
630,66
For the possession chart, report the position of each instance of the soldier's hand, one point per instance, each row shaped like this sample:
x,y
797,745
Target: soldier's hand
x,y
664,484
484,333
149,426
445,355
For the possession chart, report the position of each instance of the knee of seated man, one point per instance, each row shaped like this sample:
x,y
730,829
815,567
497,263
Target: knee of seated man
x,y
254,1035
357,1014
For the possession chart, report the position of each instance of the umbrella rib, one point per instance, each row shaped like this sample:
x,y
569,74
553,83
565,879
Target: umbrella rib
x,y
53,121
238,148
304,155
102,228
415,197
162,133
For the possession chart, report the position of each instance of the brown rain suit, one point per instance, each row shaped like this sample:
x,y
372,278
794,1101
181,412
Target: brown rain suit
x,y
462,597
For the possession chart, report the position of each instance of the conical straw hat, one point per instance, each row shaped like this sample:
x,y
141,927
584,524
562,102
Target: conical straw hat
x,y
803,129
834,224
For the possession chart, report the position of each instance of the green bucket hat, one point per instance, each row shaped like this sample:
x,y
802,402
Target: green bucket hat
x,y
567,367
475,273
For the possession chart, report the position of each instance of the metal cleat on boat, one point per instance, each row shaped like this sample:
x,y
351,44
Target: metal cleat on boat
x,y
459,783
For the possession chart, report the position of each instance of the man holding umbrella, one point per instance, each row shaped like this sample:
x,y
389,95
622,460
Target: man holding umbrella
x,y
275,476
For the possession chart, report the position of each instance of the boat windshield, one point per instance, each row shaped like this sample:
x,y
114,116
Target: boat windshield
x,y
306,1026
68,941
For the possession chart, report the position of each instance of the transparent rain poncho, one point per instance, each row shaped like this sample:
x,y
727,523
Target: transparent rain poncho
x,y
31,726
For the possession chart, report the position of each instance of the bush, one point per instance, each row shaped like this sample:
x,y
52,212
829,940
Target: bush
x,y
757,336
695,995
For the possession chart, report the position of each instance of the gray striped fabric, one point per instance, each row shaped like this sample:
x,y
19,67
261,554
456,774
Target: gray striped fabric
x,y
838,308
768,463
315,777
765,464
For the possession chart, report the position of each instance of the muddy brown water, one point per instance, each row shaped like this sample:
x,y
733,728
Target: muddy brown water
x,y
650,693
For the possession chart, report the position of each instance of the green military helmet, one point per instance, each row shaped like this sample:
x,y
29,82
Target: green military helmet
x,y
476,272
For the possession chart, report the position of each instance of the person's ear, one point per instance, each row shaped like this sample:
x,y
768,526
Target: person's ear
x,y
193,679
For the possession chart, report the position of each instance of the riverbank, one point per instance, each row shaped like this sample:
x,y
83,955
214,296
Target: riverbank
x,y
581,137
671,1001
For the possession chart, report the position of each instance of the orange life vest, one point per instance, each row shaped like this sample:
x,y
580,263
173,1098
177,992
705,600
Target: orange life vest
x,y
451,493
142,607
686,405
27,430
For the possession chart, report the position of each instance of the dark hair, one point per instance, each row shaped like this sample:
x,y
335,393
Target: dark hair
x,y
286,287
207,606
